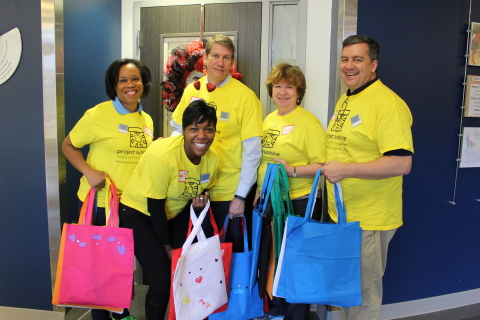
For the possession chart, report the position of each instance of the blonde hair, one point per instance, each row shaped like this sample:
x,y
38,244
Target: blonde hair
x,y
220,39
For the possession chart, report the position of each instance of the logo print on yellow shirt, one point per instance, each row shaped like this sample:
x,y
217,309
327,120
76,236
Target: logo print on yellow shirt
x,y
137,138
269,139
191,189
342,115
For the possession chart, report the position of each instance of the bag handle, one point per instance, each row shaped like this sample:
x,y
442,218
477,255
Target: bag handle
x,y
193,219
281,182
111,206
197,226
86,212
339,204
112,210
272,169
312,199
245,231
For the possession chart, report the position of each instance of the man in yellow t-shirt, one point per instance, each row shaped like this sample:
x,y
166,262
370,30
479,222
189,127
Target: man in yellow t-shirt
x,y
238,137
369,148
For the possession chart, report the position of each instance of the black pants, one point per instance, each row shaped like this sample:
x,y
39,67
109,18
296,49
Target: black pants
x,y
98,314
279,306
235,231
152,256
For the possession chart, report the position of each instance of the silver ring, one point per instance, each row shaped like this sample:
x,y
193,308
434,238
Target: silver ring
x,y
201,198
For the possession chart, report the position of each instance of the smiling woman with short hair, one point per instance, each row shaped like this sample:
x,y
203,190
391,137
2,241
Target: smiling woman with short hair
x,y
109,129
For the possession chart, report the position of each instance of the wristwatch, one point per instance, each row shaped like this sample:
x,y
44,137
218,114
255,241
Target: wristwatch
x,y
239,197
294,174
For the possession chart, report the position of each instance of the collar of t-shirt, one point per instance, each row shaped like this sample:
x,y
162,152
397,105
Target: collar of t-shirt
x,y
396,152
366,85
224,81
121,109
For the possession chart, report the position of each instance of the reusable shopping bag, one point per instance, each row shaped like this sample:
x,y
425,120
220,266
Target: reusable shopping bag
x,y
243,303
226,250
96,263
320,262
198,277
275,214
281,207
260,247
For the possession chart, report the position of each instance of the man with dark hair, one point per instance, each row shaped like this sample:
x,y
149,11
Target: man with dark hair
x,y
369,148
238,138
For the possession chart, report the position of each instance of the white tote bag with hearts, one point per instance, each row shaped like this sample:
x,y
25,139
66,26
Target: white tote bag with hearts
x,y
199,279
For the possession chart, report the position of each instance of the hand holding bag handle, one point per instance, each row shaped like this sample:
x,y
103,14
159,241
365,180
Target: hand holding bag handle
x,y
244,228
111,206
197,230
193,220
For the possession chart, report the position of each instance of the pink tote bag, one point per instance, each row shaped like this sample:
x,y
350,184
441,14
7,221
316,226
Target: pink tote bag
x,y
96,263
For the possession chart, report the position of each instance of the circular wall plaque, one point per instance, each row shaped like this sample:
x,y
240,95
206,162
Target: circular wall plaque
x,y
10,53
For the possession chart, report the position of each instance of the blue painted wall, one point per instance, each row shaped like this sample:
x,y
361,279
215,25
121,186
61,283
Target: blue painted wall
x,y
422,46
24,249
92,43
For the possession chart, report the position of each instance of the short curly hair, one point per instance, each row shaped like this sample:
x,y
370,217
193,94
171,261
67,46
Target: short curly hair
x,y
199,111
111,76
291,74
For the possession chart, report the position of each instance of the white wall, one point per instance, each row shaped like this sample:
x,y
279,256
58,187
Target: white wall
x,y
316,19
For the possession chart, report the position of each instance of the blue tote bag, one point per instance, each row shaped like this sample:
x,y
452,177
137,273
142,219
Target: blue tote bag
x,y
243,303
320,262
257,217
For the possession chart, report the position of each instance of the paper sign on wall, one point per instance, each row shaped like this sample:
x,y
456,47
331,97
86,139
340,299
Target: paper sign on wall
x,y
472,100
470,157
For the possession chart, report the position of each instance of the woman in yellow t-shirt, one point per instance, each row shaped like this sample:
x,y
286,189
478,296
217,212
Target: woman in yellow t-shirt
x,y
117,132
294,137
172,174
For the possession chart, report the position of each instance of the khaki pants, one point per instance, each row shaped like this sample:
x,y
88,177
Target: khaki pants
x,y
373,258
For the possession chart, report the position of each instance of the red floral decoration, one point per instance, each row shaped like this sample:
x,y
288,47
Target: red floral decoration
x,y
181,63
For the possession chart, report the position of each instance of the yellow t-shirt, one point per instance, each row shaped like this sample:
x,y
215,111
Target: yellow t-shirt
x,y
165,172
297,138
363,127
239,114
116,141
